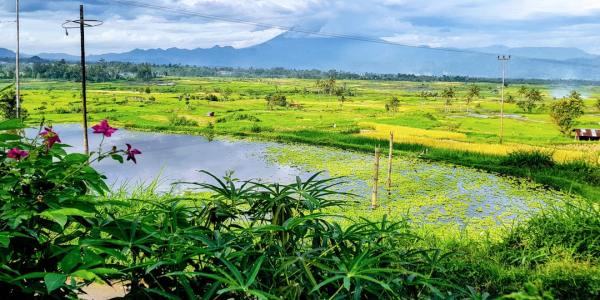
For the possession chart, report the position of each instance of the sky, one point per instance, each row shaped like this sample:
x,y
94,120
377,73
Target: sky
x,y
437,23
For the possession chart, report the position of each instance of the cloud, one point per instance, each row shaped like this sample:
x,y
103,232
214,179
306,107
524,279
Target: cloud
x,y
450,23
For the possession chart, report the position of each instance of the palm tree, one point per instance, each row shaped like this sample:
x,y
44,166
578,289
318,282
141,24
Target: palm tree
x,y
448,94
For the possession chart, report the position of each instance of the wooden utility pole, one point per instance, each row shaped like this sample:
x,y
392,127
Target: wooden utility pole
x,y
81,23
86,146
389,170
375,179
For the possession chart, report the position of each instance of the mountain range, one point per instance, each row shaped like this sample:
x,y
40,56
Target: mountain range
x,y
303,52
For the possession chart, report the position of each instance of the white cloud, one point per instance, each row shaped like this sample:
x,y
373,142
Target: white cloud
x,y
450,23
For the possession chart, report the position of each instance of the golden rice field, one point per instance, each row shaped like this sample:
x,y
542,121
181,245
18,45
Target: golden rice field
x,y
458,141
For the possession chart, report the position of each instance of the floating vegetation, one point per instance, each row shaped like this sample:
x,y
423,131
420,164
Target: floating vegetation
x,y
427,193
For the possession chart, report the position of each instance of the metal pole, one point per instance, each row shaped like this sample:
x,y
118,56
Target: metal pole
x,y
17,63
503,59
83,79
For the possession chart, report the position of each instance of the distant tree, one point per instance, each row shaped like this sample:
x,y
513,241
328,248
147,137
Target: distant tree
x,y
144,72
276,100
473,92
448,93
522,91
597,104
392,105
212,98
510,98
342,99
531,99
147,90
565,112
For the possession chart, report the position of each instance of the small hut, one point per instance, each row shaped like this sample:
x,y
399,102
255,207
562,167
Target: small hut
x,y
587,134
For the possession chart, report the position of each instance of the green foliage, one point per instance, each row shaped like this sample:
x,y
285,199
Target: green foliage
x,y
448,93
48,214
175,120
565,112
8,104
212,97
529,159
473,92
530,99
392,105
277,99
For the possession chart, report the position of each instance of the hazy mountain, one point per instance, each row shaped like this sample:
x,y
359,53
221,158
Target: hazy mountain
x,y
6,53
301,52
553,53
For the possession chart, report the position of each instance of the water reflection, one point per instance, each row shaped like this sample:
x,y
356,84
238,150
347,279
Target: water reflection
x,y
178,157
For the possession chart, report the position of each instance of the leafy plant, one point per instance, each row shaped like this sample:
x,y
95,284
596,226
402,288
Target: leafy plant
x,y
48,207
565,112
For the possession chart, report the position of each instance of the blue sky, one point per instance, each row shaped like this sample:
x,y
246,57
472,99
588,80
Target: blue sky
x,y
441,23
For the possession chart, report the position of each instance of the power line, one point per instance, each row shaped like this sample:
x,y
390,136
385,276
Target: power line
x,y
318,33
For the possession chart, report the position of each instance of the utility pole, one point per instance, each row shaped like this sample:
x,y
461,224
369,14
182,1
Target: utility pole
x,y
86,146
17,62
503,60
81,24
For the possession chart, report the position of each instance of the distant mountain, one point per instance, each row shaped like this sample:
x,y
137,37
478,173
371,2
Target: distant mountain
x,y
58,56
552,53
5,53
302,52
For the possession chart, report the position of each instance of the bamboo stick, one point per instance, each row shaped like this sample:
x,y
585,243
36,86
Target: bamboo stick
x,y
389,170
375,179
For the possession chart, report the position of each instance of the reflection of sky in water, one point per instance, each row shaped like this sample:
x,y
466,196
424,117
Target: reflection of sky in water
x,y
178,157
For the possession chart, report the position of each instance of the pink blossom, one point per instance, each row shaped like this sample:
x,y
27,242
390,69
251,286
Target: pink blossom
x,y
50,137
17,154
131,153
104,128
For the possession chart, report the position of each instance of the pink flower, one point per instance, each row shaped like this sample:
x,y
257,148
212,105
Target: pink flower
x,y
104,128
17,154
131,153
50,137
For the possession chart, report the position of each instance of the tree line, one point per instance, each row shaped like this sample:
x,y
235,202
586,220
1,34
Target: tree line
x,y
103,71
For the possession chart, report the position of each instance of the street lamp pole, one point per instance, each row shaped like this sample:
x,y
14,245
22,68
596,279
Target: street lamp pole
x,y
503,60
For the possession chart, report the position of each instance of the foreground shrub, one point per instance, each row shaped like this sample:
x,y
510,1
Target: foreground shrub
x,y
47,210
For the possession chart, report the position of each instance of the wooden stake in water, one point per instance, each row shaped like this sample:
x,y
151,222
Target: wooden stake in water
x,y
375,179
389,173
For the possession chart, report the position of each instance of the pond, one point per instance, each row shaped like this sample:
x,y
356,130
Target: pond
x,y
178,157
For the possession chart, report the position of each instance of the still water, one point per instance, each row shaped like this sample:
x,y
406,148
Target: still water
x,y
178,157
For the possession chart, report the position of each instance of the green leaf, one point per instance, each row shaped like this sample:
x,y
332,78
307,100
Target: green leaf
x,y
86,275
60,215
255,270
70,261
54,281
9,137
4,239
117,157
11,124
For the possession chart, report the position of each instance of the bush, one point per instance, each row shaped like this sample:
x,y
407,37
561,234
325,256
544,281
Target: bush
x,y
175,120
528,159
212,97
